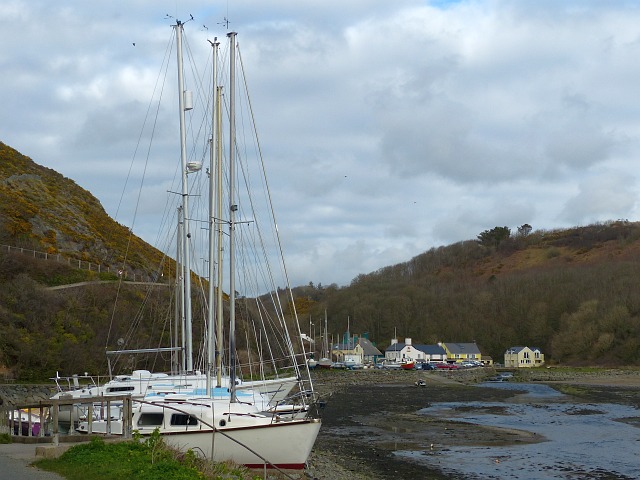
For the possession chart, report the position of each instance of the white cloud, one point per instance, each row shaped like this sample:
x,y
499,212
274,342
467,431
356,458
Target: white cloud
x,y
388,127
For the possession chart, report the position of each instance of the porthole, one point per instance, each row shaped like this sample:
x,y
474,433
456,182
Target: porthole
x,y
222,423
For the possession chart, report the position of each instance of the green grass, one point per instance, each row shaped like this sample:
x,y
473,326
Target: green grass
x,y
5,438
150,459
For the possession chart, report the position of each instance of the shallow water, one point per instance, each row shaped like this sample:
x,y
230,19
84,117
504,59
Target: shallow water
x,y
584,441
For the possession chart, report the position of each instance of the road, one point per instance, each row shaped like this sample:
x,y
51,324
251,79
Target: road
x,y
15,463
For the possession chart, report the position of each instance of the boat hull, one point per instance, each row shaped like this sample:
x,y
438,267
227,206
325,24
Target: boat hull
x,y
285,445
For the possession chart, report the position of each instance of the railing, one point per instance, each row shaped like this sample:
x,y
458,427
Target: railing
x,y
77,263
52,420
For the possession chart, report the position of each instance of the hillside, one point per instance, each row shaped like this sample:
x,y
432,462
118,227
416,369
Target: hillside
x,y
573,293
43,331
44,211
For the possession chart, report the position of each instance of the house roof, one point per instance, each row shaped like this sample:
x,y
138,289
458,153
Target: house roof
x,y
431,349
518,349
428,349
395,347
368,348
462,348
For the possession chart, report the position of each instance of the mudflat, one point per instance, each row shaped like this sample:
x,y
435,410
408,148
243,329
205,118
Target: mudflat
x,y
370,414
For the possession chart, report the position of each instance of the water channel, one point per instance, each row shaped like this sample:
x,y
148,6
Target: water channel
x,y
578,440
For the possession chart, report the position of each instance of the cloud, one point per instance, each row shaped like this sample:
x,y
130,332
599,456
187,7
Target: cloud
x,y
387,128
600,197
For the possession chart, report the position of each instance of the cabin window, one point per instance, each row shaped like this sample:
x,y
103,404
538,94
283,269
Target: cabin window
x,y
150,419
120,389
180,419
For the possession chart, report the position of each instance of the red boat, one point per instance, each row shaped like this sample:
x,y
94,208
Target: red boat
x,y
408,365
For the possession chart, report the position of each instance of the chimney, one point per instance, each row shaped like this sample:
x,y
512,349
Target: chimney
x,y
407,341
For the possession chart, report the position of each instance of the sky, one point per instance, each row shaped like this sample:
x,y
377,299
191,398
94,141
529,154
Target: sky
x,y
390,127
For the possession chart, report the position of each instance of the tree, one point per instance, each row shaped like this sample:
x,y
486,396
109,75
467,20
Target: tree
x,y
494,237
524,230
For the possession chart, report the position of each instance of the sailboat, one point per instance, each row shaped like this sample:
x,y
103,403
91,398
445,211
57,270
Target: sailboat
x,y
219,422
269,393
325,360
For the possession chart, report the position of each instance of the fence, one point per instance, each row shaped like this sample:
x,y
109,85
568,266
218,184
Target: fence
x,y
53,420
76,263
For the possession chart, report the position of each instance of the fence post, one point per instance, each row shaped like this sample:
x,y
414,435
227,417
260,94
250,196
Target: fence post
x,y
41,432
56,431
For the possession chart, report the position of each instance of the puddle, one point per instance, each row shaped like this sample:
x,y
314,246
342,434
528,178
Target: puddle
x,y
584,441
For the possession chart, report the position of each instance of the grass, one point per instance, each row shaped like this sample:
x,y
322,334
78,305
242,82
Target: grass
x,y
5,438
150,459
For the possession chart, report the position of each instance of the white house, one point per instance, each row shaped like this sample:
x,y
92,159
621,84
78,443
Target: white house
x,y
407,351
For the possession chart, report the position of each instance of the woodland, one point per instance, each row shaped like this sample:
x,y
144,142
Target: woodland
x,y
573,293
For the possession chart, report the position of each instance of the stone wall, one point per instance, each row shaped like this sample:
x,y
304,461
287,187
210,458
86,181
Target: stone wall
x,y
16,395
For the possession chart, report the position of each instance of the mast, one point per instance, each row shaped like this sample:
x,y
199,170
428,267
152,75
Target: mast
x,y
212,179
184,104
179,308
325,342
232,211
219,305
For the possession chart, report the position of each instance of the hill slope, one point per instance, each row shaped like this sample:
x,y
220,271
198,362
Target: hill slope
x,y
42,210
574,293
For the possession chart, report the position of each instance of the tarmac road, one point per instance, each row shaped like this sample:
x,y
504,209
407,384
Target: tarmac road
x,y
15,463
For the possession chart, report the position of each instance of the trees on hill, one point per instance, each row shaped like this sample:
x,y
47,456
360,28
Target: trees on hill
x,y
575,294
494,237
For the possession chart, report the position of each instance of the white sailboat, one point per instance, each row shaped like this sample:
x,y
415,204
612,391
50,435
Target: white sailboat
x,y
221,423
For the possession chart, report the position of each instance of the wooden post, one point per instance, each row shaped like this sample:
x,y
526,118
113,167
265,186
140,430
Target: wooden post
x,y
90,418
56,431
41,432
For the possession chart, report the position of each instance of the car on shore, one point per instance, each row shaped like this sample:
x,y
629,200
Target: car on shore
x,y
447,366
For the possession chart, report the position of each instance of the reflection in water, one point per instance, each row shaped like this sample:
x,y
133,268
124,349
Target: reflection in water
x,y
585,441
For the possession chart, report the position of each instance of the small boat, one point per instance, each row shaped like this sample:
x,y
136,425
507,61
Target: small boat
x,y
324,363
25,423
391,365
408,365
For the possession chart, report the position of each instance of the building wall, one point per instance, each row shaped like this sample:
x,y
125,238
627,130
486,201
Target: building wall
x,y
525,358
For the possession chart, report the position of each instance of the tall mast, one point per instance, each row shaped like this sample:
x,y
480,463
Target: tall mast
x,y
212,179
184,103
219,305
232,211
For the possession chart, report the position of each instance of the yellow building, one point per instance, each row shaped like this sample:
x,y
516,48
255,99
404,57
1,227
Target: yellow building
x,y
460,352
523,357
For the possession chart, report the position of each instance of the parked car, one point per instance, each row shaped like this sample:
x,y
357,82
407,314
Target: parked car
x,y
428,366
447,366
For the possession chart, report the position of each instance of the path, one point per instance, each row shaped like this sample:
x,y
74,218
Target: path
x,y
15,463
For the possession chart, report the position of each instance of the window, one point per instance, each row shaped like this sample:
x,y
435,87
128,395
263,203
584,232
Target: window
x,y
180,419
150,419
120,389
